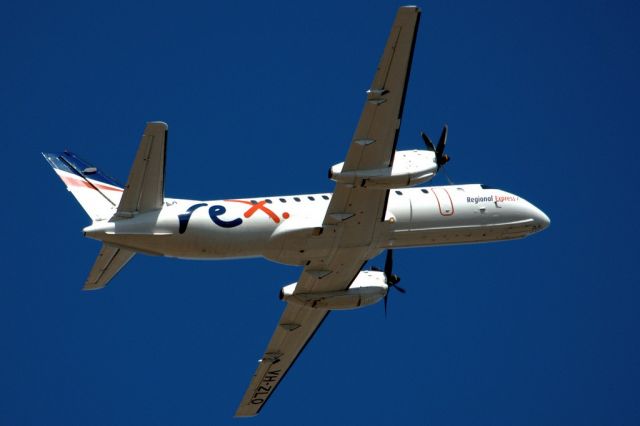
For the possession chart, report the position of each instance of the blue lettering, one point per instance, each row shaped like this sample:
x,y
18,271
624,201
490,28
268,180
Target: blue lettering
x,y
478,199
215,211
183,218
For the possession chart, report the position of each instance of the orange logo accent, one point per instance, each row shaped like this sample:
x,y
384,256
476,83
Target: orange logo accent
x,y
260,206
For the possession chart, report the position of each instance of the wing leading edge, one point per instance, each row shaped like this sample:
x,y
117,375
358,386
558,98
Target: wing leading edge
x,y
352,216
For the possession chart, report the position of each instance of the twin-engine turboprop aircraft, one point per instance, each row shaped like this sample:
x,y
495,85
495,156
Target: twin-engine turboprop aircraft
x,y
372,209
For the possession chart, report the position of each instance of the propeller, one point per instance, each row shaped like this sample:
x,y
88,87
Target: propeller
x,y
391,278
441,157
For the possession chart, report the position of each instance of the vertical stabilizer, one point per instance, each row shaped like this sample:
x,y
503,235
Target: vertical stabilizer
x,y
97,193
105,199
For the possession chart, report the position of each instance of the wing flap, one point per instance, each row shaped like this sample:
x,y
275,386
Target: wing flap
x,y
334,273
295,329
109,262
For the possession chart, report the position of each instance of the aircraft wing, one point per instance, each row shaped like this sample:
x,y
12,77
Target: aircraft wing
x,y
376,136
352,216
355,211
294,330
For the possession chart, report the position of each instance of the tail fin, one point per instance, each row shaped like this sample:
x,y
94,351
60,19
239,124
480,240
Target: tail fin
x,y
104,198
97,193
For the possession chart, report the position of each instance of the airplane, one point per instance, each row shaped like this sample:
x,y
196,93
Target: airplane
x,y
376,205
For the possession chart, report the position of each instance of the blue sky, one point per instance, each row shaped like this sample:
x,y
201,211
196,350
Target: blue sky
x,y
541,100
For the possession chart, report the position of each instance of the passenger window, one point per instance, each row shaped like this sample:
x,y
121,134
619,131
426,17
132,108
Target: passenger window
x,y
268,201
254,202
311,198
282,200
325,197
425,191
296,198
399,192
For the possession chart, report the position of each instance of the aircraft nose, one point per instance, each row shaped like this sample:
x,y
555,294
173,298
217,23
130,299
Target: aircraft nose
x,y
540,218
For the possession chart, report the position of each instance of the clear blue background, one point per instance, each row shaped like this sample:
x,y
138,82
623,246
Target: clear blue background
x,y
261,98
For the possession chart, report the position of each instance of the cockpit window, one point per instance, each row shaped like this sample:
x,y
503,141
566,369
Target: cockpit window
x,y
483,186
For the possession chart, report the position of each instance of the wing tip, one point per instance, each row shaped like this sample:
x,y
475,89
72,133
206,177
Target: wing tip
x,y
414,7
91,287
244,416
161,124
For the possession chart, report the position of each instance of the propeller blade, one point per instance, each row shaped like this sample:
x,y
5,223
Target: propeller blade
x,y
427,142
385,305
442,142
391,278
388,264
441,157
400,289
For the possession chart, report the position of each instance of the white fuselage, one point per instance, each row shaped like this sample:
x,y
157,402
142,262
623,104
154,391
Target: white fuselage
x,y
289,229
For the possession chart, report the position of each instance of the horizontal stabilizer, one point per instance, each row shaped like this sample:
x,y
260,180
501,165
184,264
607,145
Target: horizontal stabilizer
x,y
109,262
145,187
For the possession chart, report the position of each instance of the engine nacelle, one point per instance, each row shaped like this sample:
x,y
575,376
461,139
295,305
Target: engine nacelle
x,y
409,168
368,288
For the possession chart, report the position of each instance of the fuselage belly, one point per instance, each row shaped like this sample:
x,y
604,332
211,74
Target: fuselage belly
x,y
289,229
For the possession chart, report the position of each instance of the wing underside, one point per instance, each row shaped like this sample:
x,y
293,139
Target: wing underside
x,y
355,211
352,218
294,330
